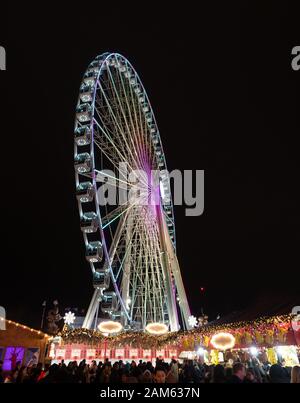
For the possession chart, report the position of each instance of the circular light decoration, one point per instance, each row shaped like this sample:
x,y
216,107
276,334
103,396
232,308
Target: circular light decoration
x,y
223,341
156,328
192,321
69,318
110,327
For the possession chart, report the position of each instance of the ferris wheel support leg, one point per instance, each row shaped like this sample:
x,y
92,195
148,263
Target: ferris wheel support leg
x,y
173,266
175,269
96,318
126,274
93,310
184,305
172,309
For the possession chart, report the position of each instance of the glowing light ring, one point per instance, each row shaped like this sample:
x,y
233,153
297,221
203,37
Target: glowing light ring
x,y
157,328
222,341
110,327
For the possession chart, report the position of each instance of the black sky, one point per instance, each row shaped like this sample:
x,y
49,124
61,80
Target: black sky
x,y
226,100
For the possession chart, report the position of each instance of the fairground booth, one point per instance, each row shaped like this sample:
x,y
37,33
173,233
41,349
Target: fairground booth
x,y
23,344
273,337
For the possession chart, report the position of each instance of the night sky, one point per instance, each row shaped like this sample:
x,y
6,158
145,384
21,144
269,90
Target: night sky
x,y
226,100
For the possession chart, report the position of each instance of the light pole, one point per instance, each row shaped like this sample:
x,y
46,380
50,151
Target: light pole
x,y
43,314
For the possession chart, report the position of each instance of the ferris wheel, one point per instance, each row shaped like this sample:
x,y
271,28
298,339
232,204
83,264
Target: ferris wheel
x,y
130,241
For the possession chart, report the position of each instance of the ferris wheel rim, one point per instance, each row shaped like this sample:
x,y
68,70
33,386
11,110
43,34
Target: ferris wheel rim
x,y
106,57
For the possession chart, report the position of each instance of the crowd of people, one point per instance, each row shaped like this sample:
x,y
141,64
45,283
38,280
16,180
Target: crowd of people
x,y
119,372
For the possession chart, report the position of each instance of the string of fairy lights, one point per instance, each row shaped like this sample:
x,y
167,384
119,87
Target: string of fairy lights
x,y
262,330
24,327
259,331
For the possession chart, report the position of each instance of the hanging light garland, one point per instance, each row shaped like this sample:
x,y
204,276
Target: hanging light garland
x,y
262,331
24,327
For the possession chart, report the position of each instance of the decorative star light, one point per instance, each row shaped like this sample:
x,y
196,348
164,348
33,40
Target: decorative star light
x,y
192,321
69,318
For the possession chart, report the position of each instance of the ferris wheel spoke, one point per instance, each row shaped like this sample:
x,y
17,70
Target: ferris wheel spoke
x,y
112,161
114,182
103,176
107,151
157,270
145,129
151,292
134,268
129,236
120,268
157,284
114,215
131,101
115,241
131,129
105,144
145,251
144,256
120,263
142,137
109,216
148,145
122,226
109,135
118,128
137,133
157,255
121,156
152,285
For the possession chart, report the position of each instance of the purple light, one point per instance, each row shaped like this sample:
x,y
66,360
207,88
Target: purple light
x,y
12,356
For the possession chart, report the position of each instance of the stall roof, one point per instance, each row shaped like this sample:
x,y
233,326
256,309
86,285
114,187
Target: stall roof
x,y
264,306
